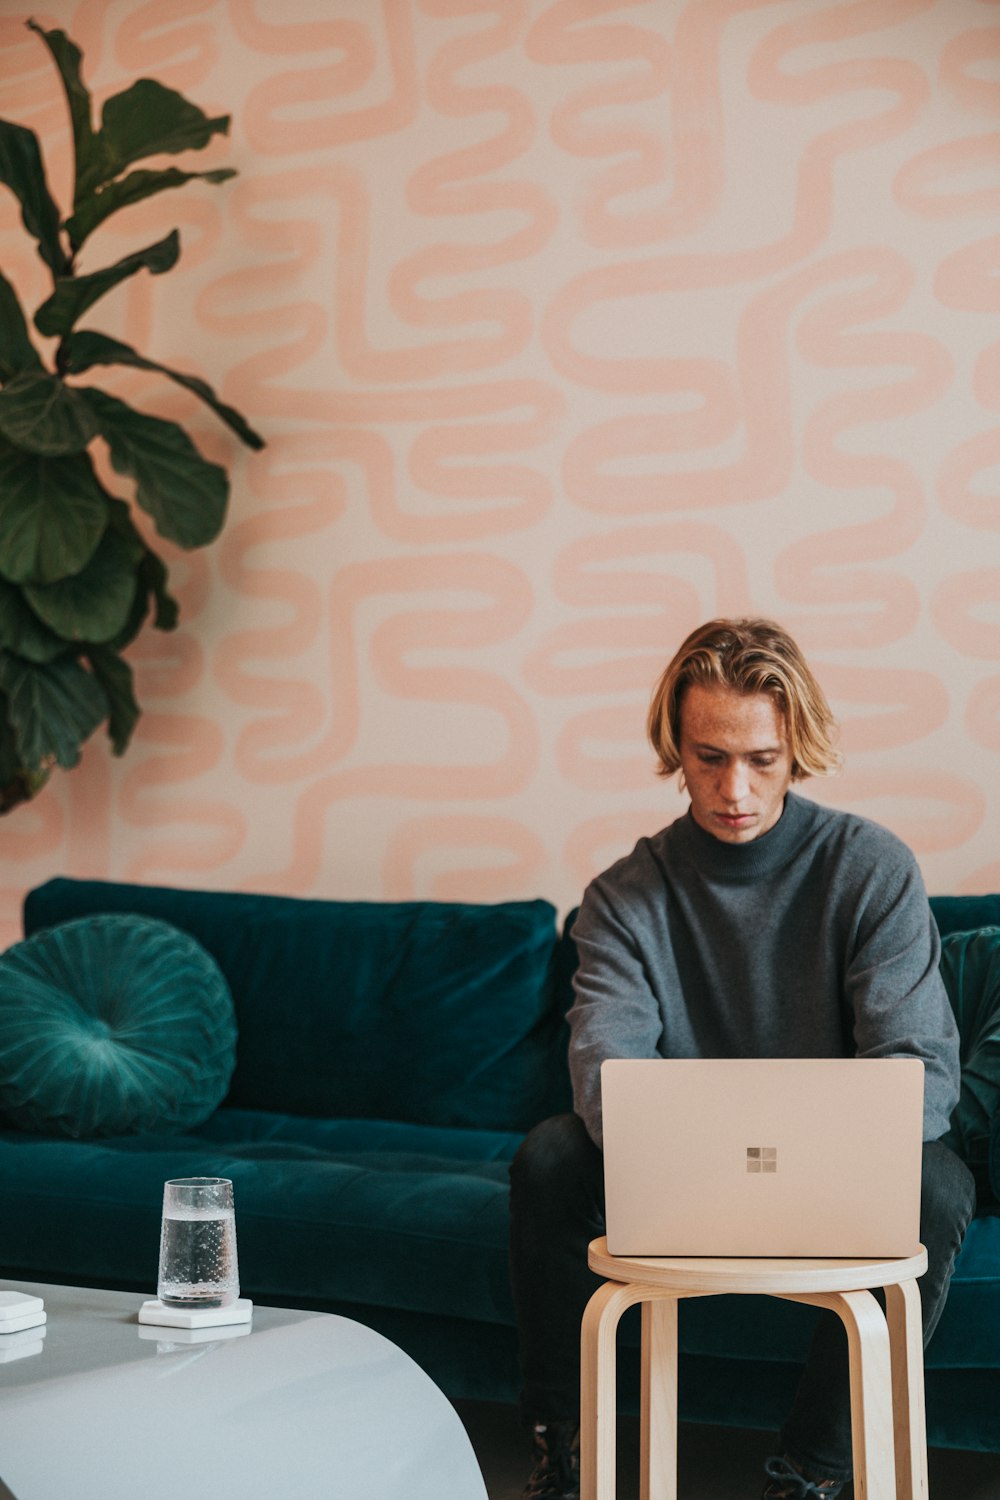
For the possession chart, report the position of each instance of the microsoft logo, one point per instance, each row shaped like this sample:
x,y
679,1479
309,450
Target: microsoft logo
x,y
762,1158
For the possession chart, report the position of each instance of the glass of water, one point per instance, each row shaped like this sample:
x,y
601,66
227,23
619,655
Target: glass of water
x,y
198,1265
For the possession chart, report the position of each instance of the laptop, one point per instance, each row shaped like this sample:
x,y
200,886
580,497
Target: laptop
x,y
763,1157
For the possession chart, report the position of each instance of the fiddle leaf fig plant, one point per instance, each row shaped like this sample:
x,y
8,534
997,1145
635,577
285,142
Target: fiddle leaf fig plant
x,y
78,580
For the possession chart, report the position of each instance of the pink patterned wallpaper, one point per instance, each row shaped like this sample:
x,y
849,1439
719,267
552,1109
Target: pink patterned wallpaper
x,y
570,323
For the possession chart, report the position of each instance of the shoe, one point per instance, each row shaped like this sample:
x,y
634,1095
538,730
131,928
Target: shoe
x,y
786,1481
556,1475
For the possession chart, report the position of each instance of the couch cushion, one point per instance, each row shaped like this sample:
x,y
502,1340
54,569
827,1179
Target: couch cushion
x,y
259,1133
403,1225
435,1013
963,913
970,967
112,1024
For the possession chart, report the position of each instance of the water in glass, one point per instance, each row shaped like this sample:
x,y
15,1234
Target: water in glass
x,y
198,1264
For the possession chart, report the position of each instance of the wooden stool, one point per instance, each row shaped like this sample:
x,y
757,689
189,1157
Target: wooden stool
x,y
886,1361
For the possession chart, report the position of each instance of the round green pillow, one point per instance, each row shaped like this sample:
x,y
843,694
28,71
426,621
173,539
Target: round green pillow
x,y
970,967
113,1025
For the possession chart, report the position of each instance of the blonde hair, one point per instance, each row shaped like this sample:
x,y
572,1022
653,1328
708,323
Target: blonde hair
x,y
748,656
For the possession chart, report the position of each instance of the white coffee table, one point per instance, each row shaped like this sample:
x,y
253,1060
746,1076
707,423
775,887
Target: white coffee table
x,y
300,1404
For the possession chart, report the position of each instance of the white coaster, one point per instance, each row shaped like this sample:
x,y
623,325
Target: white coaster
x,y
240,1311
14,1305
15,1325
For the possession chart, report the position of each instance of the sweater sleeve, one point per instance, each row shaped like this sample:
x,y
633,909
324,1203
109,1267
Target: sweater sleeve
x,y
615,1013
894,987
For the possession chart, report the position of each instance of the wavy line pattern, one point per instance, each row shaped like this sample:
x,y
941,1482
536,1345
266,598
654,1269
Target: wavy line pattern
x,y
570,323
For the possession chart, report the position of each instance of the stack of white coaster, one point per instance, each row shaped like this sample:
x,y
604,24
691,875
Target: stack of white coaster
x,y
240,1311
19,1311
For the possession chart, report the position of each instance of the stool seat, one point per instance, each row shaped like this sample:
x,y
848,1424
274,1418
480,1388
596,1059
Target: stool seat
x,y
886,1359
704,1273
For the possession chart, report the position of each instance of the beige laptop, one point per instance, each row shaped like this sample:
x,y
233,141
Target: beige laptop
x,y
763,1157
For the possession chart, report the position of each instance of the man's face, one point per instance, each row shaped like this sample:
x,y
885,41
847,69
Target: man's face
x,y
736,760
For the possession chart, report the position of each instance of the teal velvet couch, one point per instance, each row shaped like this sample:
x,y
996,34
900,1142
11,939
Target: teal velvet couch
x,y
390,1058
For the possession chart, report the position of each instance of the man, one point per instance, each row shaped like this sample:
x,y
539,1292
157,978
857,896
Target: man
x,y
759,924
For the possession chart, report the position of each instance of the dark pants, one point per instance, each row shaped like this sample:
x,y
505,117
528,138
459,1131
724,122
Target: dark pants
x,y
557,1208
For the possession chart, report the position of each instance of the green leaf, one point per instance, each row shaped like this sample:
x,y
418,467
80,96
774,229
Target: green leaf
x,y
22,169
154,575
151,576
22,632
95,603
85,348
115,677
74,294
10,763
41,414
131,189
184,493
53,515
53,708
67,57
144,120
17,784
17,352
120,521
151,120
123,525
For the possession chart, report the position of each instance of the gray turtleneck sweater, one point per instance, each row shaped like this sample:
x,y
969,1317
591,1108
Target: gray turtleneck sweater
x,y
814,940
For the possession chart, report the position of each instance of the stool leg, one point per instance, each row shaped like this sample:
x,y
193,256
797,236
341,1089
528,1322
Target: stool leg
x,y
598,1387
658,1412
906,1351
871,1395
871,1388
